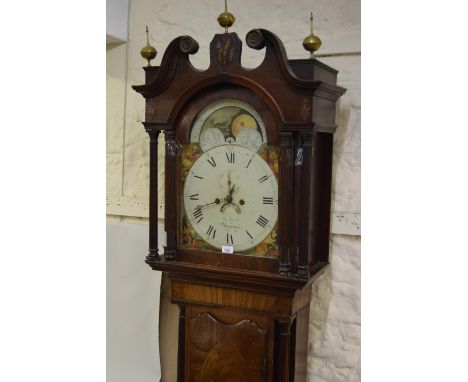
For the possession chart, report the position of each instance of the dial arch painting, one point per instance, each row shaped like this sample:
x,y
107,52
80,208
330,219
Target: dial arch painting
x,y
229,120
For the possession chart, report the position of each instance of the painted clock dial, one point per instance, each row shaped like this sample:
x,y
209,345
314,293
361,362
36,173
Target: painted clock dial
x,y
230,188
231,197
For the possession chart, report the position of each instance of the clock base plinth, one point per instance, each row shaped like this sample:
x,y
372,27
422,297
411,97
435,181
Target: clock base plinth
x,y
243,328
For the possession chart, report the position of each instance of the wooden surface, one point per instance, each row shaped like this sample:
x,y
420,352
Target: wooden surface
x,y
246,318
297,101
223,345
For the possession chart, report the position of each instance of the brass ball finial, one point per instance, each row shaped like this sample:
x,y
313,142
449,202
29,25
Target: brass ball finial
x,y
226,19
148,52
312,42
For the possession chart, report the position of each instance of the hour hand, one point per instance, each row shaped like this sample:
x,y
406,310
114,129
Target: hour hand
x,y
217,201
228,198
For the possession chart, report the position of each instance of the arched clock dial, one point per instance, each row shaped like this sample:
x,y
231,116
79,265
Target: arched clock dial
x,y
231,197
228,121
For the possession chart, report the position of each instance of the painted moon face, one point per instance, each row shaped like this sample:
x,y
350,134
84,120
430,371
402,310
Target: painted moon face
x,y
249,138
241,122
211,137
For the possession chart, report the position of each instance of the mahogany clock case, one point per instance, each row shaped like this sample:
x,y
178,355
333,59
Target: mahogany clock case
x,y
297,101
245,318
183,130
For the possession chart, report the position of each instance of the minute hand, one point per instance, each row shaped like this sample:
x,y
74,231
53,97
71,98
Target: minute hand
x,y
231,190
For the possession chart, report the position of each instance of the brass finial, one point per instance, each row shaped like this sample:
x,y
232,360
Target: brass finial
x,y
226,19
312,43
148,52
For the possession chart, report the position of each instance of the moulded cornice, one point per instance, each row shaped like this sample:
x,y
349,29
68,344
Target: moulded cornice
x,y
225,64
175,52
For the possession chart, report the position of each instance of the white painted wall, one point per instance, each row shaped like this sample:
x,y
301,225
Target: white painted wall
x,y
132,305
116,20
334,342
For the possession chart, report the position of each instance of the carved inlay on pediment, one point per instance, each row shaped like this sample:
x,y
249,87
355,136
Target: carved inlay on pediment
x,y
224,51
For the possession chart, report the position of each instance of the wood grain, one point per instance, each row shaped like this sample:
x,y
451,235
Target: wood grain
x,y
219,351
246,318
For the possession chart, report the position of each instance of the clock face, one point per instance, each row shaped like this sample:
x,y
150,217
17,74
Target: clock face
x,y
231,197
229,182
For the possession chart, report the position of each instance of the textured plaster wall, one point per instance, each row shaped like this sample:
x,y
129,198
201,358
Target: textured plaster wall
x,y
334,350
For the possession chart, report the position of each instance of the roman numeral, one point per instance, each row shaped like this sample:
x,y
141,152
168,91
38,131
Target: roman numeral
x,y
247,232
263,178
212,161
230,157
248,163
262,221
194,197
198,214
199,177
210,231
229,239
267,200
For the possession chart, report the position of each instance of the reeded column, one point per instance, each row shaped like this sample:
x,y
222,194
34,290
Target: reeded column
x,y
172,150
153,252
302,176
285,202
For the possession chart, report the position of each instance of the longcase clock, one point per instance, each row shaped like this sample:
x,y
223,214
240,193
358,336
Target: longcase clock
x,y
247,202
